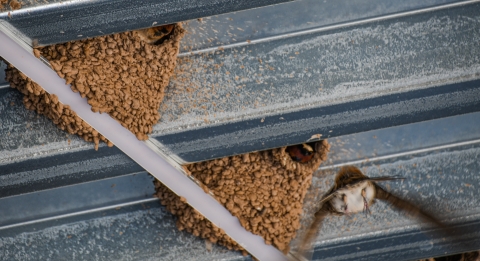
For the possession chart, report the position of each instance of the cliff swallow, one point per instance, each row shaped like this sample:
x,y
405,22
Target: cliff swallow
x,y
300,153
354,192
156,35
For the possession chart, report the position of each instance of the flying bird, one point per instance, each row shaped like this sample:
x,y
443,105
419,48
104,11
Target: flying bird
x,y
354,192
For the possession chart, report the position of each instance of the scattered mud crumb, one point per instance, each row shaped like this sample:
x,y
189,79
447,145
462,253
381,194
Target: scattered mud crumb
x,y
208,245
264,190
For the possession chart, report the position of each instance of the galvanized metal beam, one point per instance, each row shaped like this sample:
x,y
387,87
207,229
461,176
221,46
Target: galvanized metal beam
x,y
50,22
352,78
118,213
371,80
348,87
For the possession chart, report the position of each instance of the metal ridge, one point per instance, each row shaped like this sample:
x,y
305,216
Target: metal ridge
x,y
31,142
257,96
329,121
381,235
321,168
52,21
78,213
400,154
330,27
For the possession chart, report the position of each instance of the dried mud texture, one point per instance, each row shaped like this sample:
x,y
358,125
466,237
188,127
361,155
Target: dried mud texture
x,y
37,99
2,3
14,4
119,74
264,190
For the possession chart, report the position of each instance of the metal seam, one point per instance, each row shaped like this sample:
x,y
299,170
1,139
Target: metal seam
x,y
78,213
328,28
401,154
411,152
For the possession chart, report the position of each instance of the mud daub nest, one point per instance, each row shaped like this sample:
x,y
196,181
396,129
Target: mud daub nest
x,y
120,74
264,190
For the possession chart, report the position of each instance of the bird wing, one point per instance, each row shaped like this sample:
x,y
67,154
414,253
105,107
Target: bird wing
x,y
312,231
413,210
406,207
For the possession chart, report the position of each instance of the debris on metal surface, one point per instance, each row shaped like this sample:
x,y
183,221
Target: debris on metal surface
x,y
42,23
376,68
347,79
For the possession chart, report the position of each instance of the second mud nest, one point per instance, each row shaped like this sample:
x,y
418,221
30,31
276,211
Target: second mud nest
x,y
264,190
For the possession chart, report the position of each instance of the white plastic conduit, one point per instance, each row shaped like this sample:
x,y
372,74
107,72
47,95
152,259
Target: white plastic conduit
x,y
137,150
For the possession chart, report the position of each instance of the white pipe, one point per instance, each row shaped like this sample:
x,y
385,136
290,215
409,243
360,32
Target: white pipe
x,y
137,150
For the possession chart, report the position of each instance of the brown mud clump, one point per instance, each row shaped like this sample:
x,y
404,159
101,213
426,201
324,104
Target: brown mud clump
x,y
264,190
119,74
14,4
